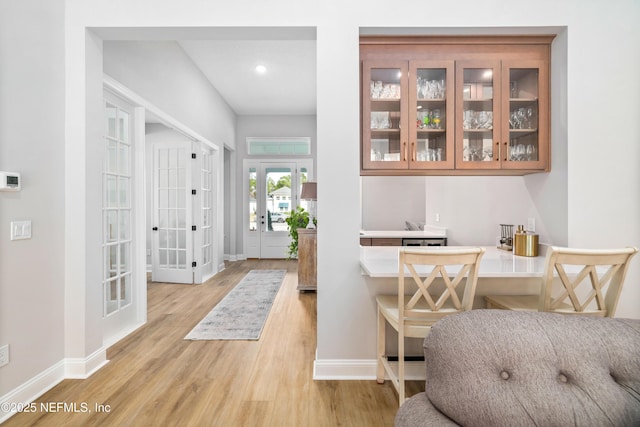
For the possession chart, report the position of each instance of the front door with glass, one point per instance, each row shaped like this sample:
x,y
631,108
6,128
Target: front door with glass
x,y
273,192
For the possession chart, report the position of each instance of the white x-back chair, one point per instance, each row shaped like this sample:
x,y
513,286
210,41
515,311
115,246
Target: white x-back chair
x,y
413,314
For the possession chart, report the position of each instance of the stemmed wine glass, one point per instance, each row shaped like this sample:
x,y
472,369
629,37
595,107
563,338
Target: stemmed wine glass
x,y
531,152
529,115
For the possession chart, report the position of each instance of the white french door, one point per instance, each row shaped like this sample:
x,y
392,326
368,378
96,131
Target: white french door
x,y
172,213
206,239
119,291
273,190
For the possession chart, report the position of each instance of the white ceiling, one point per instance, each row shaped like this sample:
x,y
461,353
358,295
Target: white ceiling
x,y
287,87
228,57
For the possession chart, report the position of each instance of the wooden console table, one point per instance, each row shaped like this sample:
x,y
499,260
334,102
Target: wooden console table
x,y
307,275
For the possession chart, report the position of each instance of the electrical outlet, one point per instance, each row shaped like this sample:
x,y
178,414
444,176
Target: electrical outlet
x,y
4,355
437,217
531,224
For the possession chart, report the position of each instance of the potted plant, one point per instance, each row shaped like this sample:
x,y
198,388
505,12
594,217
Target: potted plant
x,y
299,218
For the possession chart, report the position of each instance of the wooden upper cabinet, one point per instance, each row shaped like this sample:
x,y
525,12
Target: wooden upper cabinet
x,y
455,105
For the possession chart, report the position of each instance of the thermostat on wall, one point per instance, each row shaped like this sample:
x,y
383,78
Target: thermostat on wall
x,y
10,181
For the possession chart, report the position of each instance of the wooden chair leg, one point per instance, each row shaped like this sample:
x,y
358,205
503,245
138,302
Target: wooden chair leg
x,y
380,348
401,369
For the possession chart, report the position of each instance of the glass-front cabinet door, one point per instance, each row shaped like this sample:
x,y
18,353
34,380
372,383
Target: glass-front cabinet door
x,y
478,114
524,123
431,115
384,111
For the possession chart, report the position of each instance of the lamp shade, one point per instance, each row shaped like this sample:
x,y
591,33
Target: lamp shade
x,y
309,191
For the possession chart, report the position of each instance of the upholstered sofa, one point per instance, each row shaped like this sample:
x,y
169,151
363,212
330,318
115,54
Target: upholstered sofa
x,y
507,368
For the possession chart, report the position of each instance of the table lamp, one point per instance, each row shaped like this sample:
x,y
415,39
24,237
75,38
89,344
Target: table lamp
x,y
309,192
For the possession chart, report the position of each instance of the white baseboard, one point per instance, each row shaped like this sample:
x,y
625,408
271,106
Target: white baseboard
x,y
237,257
360,369
70,368
77,368
31,390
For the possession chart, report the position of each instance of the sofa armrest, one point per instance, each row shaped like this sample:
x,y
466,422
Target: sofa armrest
x,y
419,412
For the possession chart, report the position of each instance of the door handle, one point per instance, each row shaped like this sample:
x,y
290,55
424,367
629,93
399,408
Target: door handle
x,y
155,228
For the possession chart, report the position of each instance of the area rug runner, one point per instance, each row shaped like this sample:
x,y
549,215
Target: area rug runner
x,y
241,314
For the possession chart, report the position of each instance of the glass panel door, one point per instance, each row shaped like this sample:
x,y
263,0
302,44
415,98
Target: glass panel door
x,y
207,215
431,118
526,123
172,245
275,203
116,212
478,99
385,121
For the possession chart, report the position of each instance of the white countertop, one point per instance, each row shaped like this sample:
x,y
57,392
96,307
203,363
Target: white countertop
x,y
382,261
428,232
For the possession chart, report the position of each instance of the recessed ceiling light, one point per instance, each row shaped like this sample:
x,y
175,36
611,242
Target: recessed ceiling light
x,y
261,69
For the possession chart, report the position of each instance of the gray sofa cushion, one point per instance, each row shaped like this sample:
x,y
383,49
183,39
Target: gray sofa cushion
x,y
505,368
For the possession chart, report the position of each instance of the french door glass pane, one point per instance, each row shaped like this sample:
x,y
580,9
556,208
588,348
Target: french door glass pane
x,y
111,261
123,159
123,187
111,189
125,216
110,112
477,124
125,258
123,134
111,226
111,296
111,157
125,290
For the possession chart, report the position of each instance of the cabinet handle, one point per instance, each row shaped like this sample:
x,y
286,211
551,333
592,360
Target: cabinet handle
x,y
505,151
413,151
498,150
405,151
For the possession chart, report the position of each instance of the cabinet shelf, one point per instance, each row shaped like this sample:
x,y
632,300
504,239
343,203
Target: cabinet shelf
x,y
385,105
437,131
523,100
385,133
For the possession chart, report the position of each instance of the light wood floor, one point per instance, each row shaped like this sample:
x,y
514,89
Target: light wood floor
x,y
156,378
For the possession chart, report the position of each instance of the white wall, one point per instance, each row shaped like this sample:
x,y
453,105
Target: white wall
x,y
32,132
389,201
472,208
603,147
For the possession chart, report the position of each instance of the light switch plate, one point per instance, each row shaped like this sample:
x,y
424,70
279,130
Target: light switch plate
x,y
4,355
20,230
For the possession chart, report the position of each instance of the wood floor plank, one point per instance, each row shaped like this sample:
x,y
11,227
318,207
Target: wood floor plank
x,y
155,377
